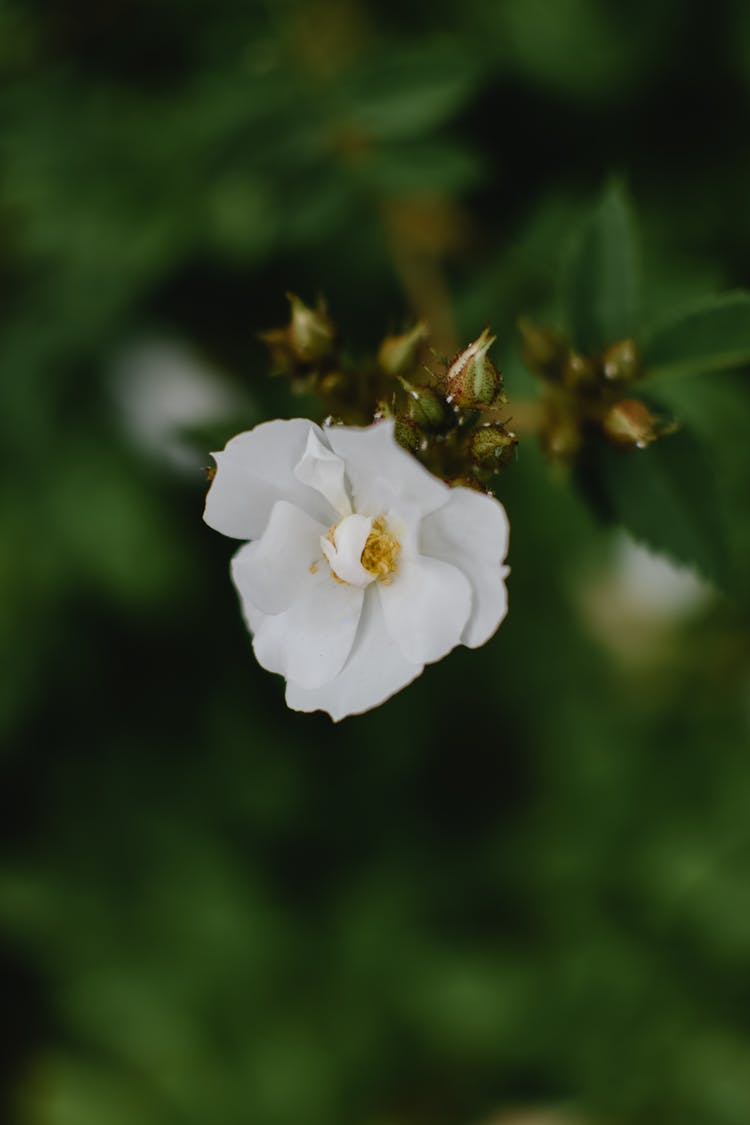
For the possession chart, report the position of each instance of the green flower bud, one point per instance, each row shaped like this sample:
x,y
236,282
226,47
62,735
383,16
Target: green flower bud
x,y
542,349
398,355
621,362
311,332
407,434
330,383
472,379
630,424
561,437
424,406
579,372
492,446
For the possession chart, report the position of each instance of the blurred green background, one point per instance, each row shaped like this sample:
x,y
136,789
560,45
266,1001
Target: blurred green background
x,y
523,885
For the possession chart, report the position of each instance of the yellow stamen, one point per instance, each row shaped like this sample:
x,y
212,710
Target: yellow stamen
x,y
380,551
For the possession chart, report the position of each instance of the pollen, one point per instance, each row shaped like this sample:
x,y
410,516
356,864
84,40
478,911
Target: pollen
x,y
380,552
360,550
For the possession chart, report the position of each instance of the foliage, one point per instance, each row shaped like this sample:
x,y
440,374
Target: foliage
x,y
661,485
525,881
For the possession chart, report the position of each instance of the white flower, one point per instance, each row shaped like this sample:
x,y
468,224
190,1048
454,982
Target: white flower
x,y
363,567
162,389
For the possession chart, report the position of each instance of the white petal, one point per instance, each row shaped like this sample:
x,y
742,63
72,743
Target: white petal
x,y
426,607
374,672
310,641
471,532
271,571
323,470
254,471
345,553
383,476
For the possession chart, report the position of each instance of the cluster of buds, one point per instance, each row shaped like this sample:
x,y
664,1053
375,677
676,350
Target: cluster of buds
x,y
307,350
588,394
450,418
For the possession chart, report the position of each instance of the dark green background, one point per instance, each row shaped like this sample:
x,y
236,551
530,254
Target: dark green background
x,y
524,881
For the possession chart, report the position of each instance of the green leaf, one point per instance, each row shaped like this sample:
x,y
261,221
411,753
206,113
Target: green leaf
x,y
408,93
710,334
443,167
572,46
600,281
666,497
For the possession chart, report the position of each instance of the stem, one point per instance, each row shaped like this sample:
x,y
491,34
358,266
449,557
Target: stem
x,y
418,237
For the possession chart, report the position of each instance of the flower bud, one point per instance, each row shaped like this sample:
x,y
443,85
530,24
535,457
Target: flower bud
x,y
398,355
629,423
621,362
424,406
579,372
561,436
472,379
542,349
311,332
492,446
407,434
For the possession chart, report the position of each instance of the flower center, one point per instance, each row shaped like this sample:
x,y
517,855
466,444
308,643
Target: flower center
x,y
361,550
381,551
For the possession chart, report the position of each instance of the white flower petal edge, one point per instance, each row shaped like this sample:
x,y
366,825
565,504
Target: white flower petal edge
x,y
384,476
323,470
309,642
374,672
271,571
426,608
471,531
254,471
363,566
